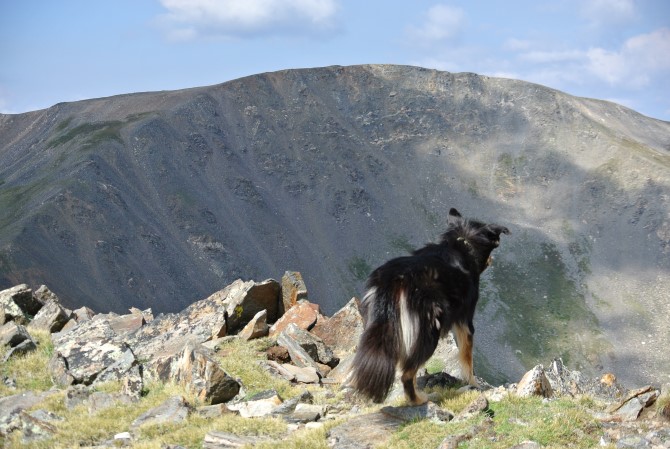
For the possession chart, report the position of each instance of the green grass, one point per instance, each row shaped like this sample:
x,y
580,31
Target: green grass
x,y
29,370
359,268
554,424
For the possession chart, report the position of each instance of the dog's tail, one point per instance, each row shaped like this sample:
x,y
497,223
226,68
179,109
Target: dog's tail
x,y
374,366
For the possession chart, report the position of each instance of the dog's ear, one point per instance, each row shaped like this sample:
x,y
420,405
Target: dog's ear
x,y
454,216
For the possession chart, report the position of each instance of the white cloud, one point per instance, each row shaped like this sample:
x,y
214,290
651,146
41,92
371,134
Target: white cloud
x,y
187,19
441,22
640,59
542,57
513,44
603,12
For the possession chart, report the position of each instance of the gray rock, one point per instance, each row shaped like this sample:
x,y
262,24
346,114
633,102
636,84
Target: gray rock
x,y
194,368
12,334
305,413
22,348
429,410
214,411
299,356
293,289
305,374
18,304
173,411
313,345
259,405
51,317
257,327
534,383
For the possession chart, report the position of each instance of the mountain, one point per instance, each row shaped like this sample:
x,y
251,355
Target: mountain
x,y
157,199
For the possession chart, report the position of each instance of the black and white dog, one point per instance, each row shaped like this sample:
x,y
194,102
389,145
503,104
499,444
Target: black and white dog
x,y
412,301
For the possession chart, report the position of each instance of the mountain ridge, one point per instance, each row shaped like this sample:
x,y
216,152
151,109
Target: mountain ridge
x,y
155,199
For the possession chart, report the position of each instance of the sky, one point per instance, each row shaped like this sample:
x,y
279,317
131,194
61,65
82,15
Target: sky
x,y
67,50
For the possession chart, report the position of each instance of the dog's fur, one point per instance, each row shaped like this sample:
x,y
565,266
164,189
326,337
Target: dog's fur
x,y
412,301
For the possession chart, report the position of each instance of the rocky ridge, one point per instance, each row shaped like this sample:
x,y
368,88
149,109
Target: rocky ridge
x,y
308,349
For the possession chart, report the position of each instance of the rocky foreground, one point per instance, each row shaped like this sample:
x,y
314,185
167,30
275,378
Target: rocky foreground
x,y
308,348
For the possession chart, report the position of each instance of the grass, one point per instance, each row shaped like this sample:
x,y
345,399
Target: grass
x,y
555,423
29,370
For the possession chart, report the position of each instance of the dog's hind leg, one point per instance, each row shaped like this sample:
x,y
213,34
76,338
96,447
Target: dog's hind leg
x,y
412,393
464,341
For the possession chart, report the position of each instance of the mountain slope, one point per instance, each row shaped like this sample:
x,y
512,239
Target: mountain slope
x,y
157,199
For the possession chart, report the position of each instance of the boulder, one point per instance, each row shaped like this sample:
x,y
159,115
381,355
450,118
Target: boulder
x,y
364,431
13,334
173,411
243,300
341,331
86,350
534,383
293,289
194,368
256,328
299,356
313,345
44,295
258,406
216,439
21,297
51,317
304,315
22,348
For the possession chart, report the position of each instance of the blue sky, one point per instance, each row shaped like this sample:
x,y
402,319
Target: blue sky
x,y
66,50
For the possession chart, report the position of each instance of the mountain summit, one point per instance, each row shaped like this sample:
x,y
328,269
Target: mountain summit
x,y
156,199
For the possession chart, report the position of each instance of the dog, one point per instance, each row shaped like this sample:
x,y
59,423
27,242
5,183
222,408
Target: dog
x,y
412,301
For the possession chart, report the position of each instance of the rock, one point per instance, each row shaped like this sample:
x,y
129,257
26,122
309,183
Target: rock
x,y
44,295
342,331
278,370
305,374
13,334
51,317
173,411
260,405
534,383
11,408
118,369
58,371
223,440
76,395
313,345
243,300
289,406
630,410
568,382
364,431
305,413
299,356
303,315
18,304
223,312
132,382
479,405
125,324
99,401
429,410
293,289
88,349
278,354
83,314
342,371
257,327
22,348
194,368
213,411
